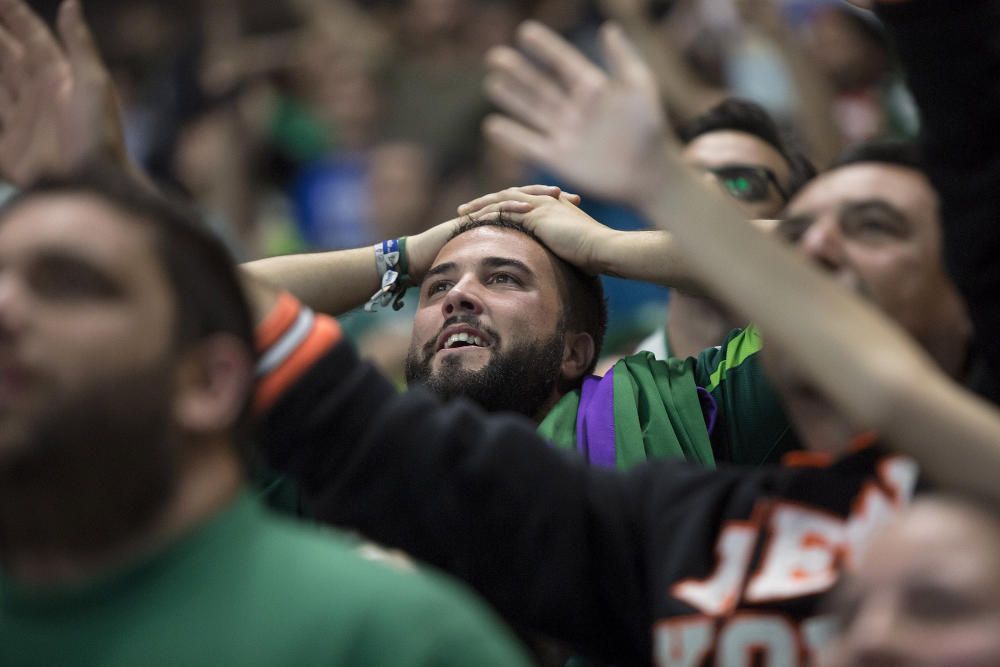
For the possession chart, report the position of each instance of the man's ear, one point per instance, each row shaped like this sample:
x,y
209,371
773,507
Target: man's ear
x,y
213,381
578,353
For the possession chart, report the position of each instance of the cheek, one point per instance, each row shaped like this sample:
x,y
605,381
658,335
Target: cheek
x,y
970,644
426,324
895,280
86,344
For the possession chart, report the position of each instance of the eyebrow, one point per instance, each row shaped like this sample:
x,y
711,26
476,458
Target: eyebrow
x,y
501,262
55,259
879,204
490,262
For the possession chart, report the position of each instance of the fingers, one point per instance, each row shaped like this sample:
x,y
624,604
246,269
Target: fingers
x,y
516,217
530,194
76,36
519,103
523,142
40,47
552,51
11,63
624,61
520,88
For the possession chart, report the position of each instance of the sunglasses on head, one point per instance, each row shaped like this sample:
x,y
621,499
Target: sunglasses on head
x,y
746,182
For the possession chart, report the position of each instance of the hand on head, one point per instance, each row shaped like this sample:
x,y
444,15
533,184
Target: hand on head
x,y
555,219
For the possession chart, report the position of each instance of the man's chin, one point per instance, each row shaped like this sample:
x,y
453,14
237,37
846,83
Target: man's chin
x,y
465,358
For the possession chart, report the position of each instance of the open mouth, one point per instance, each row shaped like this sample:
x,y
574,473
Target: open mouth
x,y
456,338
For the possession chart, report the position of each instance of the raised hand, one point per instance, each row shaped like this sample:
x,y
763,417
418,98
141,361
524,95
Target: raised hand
x,y
57,102
565,229
604,133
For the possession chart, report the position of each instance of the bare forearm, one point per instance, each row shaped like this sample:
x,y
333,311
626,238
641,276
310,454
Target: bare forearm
x,y
649,256
328,282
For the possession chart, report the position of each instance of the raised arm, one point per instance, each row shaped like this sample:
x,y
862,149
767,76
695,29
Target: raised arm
x,y
862,361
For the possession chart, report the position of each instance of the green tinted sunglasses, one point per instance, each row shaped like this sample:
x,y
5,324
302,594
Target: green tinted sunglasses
x,y
747,182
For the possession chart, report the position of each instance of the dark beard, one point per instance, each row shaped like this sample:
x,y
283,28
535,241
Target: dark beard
x,y
97,468
521,379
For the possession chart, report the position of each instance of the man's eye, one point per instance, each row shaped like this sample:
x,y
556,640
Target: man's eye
x,y
504,278
69,283
438,287
872,225
940,604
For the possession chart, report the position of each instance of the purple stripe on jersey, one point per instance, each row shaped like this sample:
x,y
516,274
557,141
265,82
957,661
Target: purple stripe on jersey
x,y
595,421
709,408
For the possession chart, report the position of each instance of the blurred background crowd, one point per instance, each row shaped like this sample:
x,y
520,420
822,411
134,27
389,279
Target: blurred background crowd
x,y
325,124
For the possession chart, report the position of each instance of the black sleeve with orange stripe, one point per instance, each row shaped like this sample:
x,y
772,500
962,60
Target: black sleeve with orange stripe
x,y
289,341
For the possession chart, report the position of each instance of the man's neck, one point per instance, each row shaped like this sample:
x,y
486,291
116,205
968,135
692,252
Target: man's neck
x,y
694,324
38,525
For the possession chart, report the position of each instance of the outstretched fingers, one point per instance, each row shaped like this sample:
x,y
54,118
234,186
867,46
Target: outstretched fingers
x,y
624,61
522,141
77,38
554,52
25,26
539,84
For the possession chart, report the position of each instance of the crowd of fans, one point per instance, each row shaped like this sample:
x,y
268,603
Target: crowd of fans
x,y
723,394
322,125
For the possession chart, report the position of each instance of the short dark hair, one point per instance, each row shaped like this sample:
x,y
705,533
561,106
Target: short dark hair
x,y
739,115
898,152
199,269
585,307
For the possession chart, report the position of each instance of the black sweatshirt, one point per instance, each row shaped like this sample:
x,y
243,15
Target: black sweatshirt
x,y
950,50
668,562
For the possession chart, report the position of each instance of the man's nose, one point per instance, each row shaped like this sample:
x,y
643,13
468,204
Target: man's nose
x,y
823,243
463,297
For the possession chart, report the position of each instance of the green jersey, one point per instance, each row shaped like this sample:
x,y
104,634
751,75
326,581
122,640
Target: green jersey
x,y
716,407
249,588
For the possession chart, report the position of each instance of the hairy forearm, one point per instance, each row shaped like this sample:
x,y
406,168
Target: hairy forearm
x,y
329,282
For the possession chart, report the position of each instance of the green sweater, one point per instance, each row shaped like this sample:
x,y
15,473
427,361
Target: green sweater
x,y
249,588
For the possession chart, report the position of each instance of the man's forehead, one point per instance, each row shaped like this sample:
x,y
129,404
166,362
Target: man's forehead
x,y
79,225
479,243
903,188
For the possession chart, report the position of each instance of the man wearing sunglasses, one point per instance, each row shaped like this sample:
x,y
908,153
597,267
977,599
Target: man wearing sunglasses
x,y
738,145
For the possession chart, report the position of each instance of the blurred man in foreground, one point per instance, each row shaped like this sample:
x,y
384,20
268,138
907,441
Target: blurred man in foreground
x,y
127,533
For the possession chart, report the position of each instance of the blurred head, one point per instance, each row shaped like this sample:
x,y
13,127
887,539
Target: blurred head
x,y
926,593
737,144
504,321
125,342
872,222
849,46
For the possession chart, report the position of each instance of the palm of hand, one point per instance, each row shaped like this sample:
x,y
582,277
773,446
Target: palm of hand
x,y
608,136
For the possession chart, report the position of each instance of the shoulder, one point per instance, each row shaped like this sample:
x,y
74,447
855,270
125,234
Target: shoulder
x,y
379,603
